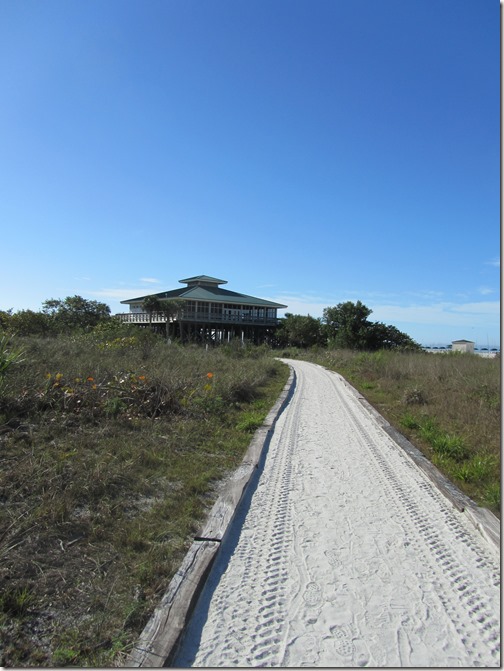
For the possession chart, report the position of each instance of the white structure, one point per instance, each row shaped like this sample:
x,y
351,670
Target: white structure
x,y
463,346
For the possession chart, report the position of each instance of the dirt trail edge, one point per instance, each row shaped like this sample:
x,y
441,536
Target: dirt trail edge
x,y
344,551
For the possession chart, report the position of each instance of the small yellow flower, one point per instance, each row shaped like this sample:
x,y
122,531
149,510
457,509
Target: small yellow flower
x,y
77,380
58,376
48,376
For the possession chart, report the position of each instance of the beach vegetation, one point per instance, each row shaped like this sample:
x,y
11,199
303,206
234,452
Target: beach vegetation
x,y
113,446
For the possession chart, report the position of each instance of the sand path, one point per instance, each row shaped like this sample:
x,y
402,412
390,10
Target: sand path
x,y
344,554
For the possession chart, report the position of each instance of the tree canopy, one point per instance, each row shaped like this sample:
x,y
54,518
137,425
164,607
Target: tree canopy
x,y
344,326
347,325
299,331
75,312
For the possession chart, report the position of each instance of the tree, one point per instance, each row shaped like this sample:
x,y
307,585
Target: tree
x,y
381,336
346,325
150,305
171,310
28,322
5,319
75,312
299,331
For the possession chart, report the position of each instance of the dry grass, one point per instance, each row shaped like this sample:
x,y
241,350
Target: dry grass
x,y
111,454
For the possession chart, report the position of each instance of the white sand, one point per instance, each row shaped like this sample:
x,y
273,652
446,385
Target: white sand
x,y
344,554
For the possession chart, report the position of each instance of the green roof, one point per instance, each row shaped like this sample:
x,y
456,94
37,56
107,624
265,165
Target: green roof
x,y
202,279
205,288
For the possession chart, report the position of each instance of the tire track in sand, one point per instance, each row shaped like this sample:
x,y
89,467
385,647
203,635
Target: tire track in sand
x,y
251,601
464,602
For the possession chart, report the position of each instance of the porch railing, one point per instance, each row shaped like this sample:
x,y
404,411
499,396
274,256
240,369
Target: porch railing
x,y
200,317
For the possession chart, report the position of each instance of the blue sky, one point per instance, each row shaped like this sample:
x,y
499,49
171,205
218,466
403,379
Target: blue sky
x,y
308,151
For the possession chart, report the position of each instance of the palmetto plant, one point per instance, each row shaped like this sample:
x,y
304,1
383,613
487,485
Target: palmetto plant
x,y
9,356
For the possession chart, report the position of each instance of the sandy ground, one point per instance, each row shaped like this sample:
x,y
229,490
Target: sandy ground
x,y
344,554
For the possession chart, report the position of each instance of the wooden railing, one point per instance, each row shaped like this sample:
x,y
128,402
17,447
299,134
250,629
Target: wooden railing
x,y
143,318
201,317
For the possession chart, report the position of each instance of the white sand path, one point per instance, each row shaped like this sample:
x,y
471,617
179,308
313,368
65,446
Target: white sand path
x,y
344,554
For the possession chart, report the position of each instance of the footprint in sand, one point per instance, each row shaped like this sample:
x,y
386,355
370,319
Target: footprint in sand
x,y
342,642
313,594
332,557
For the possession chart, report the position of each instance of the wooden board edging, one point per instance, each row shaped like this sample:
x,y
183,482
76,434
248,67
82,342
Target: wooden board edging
x,y
158,641
163,630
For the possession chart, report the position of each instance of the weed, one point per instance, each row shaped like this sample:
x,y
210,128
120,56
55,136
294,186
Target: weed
x,y
451,446
414,396
114,406
9,355
16,602
63,656
477,469
368,385
492,495
250,421
409,421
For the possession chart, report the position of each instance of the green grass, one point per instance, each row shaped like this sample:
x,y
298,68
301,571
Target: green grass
x,y
111,457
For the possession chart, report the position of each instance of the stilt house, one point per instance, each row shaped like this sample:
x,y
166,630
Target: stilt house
x,y
203,311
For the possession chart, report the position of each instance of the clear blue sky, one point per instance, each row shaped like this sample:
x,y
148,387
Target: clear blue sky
x,y
308,151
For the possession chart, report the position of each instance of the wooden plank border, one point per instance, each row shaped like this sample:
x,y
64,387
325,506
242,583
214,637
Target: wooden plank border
x,y
158,641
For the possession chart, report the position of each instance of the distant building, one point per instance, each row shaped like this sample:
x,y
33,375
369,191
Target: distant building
x,y
463,346
205,312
